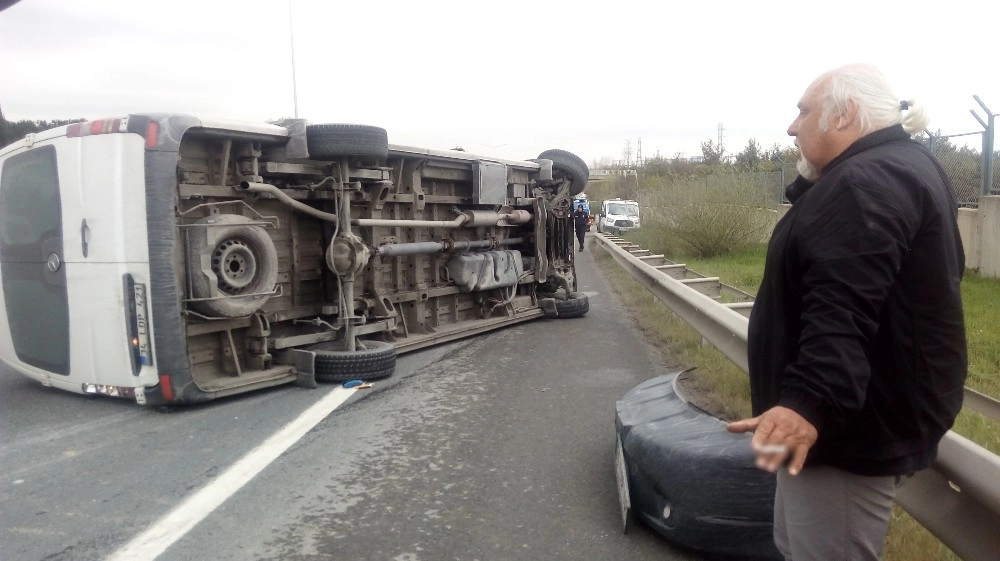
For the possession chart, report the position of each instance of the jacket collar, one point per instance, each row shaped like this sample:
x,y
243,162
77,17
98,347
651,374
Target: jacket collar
x,y
797,188
882,136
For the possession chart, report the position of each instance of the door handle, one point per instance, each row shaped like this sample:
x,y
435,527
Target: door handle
x,y
84,237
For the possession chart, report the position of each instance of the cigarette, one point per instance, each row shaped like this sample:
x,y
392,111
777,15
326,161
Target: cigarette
x,y
773,449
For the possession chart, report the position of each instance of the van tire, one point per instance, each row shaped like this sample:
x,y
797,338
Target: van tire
x,y
331,141
577,305
375,362
228,259
685,467
571,166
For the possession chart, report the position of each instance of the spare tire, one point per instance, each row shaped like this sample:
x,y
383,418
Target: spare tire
x,y
331,141
569,166
577,305
233,266
373,360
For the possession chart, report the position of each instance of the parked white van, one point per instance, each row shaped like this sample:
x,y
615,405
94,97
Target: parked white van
x,y
618,216
171,259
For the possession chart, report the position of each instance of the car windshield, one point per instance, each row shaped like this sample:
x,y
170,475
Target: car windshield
x,y
623,209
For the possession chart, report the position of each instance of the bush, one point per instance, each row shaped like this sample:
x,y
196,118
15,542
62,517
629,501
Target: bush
x,y
711,215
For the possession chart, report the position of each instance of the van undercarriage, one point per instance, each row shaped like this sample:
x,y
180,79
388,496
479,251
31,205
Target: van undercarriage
x,y
322,261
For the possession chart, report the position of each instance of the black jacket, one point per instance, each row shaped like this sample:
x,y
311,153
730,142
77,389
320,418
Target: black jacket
x,y
580,219
858,322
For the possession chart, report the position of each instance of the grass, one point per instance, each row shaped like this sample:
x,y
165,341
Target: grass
x,y
709,218
726,387
981,298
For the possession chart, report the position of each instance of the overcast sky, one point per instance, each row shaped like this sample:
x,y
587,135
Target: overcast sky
x,y
508,78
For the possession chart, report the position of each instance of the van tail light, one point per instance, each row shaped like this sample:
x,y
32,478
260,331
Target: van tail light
x,y
100,126
165,388
152,135
137,324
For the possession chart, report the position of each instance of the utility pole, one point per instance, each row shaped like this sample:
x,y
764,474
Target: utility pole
x,y
638,158
721,130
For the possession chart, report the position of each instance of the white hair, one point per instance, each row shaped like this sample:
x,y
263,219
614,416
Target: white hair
x,y
878,106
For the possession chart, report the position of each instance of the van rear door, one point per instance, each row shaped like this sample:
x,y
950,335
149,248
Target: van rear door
x,y
104,214
32,260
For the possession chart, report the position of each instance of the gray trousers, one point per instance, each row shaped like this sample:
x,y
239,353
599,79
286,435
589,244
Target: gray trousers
x,y
827,514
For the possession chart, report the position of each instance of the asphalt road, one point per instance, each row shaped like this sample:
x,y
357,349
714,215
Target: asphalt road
x,y
497,447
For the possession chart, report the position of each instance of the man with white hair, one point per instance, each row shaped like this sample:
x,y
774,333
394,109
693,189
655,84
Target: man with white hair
x,y
857,348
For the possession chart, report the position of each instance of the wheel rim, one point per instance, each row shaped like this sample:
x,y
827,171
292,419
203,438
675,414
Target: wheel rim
x,y
235,265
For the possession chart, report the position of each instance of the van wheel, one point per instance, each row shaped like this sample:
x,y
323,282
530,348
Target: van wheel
x,y
373,360
577,305
327,142
233,263
571,167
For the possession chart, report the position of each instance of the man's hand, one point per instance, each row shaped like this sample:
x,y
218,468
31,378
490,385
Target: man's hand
x,y
778,433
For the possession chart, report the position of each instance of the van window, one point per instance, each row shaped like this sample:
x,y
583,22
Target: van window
x,y
31,257
622,209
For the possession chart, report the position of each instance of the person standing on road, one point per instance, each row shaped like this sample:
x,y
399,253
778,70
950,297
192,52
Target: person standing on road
x,y
581,221
857,352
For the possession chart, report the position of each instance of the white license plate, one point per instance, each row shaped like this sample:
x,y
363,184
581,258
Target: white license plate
x,y
621,474
142,325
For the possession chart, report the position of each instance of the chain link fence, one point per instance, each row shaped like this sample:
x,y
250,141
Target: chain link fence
x,y
964,165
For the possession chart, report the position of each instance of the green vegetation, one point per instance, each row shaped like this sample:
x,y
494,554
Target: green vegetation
x,y
715,215
724,388
981,299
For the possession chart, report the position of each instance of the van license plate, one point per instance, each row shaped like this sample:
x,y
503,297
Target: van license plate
x,y
142,325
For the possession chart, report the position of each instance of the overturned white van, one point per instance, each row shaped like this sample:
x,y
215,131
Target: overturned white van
x,y
170,259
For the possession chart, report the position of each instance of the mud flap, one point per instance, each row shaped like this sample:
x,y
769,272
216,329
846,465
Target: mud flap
x,y
549,307
305,368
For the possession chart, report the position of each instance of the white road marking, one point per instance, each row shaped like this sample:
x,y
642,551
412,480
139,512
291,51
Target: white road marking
x,y
172,527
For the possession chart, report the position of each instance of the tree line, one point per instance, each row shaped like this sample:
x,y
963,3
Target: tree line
x,y
12,131
963,164
714,159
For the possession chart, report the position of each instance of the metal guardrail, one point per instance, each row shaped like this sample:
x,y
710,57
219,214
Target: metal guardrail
x,y
742,302
982,403
957,499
